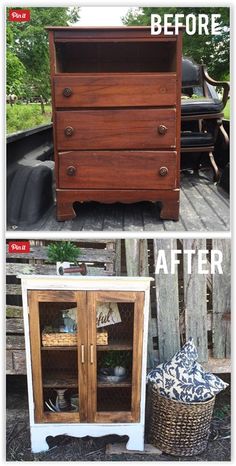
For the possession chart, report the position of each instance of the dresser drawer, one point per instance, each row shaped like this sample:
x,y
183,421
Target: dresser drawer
x,y
117,170
116,129
121,90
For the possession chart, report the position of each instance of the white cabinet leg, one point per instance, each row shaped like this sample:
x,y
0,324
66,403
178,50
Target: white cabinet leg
x,y
136,441
38,441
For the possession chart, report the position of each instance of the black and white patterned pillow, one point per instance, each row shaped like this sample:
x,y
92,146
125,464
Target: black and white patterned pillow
x,y
184,379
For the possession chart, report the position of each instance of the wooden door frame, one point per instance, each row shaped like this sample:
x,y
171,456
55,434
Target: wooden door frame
x,y
34,298
136,297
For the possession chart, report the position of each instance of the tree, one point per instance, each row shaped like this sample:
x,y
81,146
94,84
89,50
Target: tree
x,y
214,50
28,50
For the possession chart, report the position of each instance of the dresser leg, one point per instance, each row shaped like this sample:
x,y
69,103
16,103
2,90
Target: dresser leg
x,y
170,210
65,211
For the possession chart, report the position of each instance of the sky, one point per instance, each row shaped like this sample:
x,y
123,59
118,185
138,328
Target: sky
x,y
102,15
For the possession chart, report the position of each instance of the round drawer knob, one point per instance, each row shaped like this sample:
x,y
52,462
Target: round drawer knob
x,y
71,170
162,129
69,131
67,92
163,171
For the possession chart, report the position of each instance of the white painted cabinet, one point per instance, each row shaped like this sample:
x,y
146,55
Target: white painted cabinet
x,y
86,350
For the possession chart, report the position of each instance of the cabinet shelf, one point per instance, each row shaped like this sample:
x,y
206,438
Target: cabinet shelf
x,y
115,347
111,347
124,384
58,348
60,379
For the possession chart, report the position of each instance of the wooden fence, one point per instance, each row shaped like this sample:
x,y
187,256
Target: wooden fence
x,y
182,305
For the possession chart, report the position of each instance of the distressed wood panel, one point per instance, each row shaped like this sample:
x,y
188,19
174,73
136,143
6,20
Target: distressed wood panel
x,y
132,257
195,300
14,326
136,251
167,298
13,289
15,342
87,254
15,362
13,269
222,302
152,354
14,311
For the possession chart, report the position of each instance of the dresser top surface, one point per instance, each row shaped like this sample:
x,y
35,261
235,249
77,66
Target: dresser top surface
x,y
116,30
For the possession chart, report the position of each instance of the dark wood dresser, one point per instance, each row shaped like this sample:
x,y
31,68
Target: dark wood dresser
x,y
116,113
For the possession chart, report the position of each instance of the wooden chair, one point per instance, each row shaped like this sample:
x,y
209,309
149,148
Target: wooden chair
x,y
201,112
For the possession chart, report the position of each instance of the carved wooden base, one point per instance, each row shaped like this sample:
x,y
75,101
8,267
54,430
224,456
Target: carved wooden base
x,y
39,433
66,199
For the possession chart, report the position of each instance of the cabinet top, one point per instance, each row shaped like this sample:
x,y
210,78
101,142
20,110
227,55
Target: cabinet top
x,y
53,282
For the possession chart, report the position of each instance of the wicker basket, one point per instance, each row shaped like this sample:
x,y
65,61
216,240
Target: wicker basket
x,y
177,428
69,339
59,339
102,338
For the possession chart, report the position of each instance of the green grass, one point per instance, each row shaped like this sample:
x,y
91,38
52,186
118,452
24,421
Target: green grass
x,y
22,116
227,111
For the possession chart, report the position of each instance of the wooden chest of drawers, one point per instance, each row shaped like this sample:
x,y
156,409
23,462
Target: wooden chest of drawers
x,y
116,114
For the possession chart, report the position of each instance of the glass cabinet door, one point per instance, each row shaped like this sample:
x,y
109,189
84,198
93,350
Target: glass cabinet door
x,y
58,335
115,356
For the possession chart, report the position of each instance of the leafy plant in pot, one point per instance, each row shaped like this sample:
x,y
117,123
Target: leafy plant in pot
x,y
65,254
117,363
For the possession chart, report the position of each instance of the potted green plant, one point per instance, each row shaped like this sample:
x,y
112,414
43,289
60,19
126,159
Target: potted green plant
x,y
64,254
117,363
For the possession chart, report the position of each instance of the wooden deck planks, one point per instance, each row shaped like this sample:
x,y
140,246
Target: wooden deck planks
x,y
204,206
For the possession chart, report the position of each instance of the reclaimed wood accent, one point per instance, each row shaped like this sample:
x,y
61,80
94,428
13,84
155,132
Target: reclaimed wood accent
x,y
195,300
87,254
14,311
15,342
136,251
118,258
15,326
152,321
29,269
15,362
14,269
167,301
218,365
116,90
116,129
132,257
13,289
222,302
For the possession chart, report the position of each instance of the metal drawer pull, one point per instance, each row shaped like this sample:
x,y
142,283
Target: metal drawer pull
x,y
91,354
67,92
162,129
163,171
82,354
69,131
71,170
